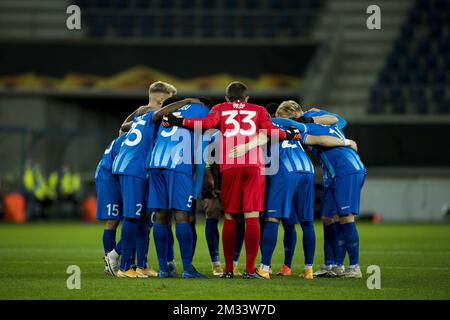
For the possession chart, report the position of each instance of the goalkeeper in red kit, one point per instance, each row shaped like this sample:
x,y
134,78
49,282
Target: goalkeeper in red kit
x,y
243,180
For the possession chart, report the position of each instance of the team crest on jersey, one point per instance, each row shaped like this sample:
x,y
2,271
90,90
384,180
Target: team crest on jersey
x,y
186,107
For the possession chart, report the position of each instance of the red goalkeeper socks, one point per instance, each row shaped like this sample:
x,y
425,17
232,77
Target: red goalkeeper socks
x,y
229,242
252,238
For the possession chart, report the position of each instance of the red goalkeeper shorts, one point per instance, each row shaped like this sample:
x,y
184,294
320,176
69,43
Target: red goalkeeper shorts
x,y
243,189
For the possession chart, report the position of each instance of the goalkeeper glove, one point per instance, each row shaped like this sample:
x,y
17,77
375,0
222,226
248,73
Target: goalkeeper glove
x,y
171,120
292,133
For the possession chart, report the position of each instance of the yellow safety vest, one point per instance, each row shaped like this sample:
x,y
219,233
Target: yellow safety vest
x,y
28,179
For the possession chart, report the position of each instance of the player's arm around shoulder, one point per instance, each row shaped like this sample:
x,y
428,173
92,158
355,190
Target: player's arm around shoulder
x,y
328,141
159,114
325,119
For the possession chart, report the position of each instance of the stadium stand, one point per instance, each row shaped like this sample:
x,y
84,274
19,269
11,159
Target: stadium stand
x,y
415,76
200,18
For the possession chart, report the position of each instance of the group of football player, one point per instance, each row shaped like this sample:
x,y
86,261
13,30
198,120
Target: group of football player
x,y
175,155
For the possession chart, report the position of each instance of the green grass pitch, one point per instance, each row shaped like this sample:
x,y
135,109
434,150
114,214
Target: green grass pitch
x,y
414,261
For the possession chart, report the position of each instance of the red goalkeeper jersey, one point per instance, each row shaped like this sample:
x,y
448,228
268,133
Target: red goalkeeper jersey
x,y
238,122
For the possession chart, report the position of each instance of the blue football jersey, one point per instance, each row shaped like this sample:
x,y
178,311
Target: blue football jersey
x,y
175,147
336,161
293,157
341,121
135,149
104,167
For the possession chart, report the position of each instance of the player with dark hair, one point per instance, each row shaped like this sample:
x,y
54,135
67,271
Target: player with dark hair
x,y
173,188
243,180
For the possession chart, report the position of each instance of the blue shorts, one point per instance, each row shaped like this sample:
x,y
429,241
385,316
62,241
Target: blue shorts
x,y
342,196
169,189
134,190
109,199
291,197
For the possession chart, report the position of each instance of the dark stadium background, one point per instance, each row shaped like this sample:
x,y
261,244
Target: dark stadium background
x,y
64,93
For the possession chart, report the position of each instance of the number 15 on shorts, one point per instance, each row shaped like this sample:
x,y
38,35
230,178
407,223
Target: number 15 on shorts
x,y
113,209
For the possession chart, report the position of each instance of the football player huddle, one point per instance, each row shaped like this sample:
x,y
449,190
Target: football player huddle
x,y
237,157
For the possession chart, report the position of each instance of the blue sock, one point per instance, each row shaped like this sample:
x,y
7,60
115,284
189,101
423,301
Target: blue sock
x,y
128,237
339,245
351,239
133,256
118,247
109,240
212,238
290,241
160,236
184,237
240,235
170,244
262,223
309,241
194,238
329,238
142,244
269,242
147,242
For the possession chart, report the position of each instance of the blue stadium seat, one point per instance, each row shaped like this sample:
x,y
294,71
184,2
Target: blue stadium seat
x,y
102,4
121,4
447,60
405,76
295,4
229,26
412,62
231,4
421,105
421,76
440,77
400,47
207,26
252,4
424,47
385,77
398,105
146,26
276,4
438,93
166,4
314,4
126,25
444,44
414,17
431,63
443,107
84,3
418,99
376,101
190,4
393,63
143,4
